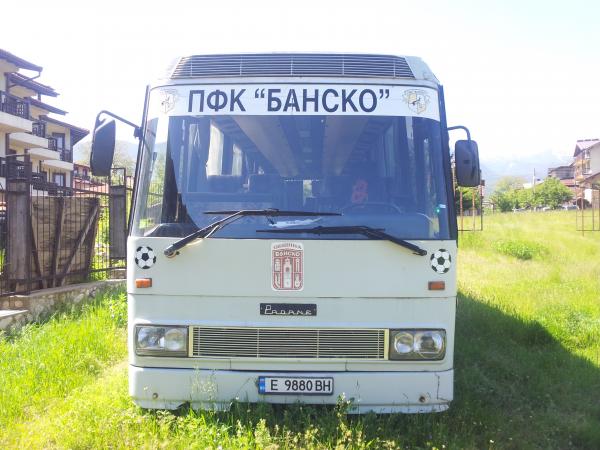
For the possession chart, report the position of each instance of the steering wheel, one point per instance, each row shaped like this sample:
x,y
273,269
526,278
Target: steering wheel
x,y
372,207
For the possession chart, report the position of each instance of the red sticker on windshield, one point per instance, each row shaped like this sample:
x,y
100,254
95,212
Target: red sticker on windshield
x,y
287,266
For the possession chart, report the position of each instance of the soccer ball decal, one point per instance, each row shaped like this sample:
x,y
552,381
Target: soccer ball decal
x,y
441,261
145,257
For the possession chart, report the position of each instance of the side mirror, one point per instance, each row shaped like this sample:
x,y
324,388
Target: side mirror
x,y
466,159
103,147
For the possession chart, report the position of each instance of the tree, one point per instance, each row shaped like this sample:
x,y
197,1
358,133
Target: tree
x,y
526,198
509,183
553,193
121,158
505,201
550,193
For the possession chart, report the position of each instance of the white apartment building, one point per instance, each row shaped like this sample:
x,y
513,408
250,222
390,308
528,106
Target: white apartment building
x,y
29,126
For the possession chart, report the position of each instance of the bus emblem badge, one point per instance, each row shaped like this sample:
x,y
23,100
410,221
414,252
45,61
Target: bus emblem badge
x,y
169,98
417,100
287,266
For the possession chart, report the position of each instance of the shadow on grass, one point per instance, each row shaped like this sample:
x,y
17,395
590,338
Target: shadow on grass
x,y
514,375
515,387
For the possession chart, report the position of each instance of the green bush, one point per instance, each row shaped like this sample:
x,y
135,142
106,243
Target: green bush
x,y
520,249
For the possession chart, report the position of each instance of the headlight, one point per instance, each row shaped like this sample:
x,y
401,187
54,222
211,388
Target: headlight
x,y
150,338
429,343
161,340
176,339
415,345
403,343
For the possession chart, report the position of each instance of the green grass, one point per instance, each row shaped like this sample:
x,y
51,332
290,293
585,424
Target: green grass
x,y
527,366
42,363
520,249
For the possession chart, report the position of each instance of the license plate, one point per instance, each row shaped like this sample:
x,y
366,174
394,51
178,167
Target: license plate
x,y
295,385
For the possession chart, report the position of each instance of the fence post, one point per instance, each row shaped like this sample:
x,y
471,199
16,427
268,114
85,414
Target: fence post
x,y
473,208
583,213
18,231
117,227
461,211
480,194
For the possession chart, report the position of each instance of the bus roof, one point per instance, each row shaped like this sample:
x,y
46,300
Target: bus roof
x,y
322,65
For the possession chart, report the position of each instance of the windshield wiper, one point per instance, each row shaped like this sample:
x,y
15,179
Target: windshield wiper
x,y
371,233
232,216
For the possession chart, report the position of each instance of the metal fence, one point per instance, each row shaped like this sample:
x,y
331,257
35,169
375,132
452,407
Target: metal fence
x,y
469,208
53,235
588,212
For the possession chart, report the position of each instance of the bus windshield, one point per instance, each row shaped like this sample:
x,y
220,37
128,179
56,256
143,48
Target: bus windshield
x,y
384,172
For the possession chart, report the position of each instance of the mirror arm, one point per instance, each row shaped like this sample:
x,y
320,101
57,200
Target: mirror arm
x,y
137,132
460,127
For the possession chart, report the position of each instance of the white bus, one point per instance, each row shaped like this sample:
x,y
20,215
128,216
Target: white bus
x,y
293,236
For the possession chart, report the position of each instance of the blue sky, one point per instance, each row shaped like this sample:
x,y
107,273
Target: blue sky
x,y
522,75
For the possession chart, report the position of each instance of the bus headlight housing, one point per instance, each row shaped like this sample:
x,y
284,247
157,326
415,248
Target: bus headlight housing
x,y
403,343
153,340
416,345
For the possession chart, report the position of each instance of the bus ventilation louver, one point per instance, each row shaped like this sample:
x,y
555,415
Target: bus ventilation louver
x,y
292,65
232,342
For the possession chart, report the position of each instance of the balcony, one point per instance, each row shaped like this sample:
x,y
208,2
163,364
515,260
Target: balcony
x,y
39,180
581,172
41,148
64,153
14,105
18,169
44,154
81,176
21,141
62,165
39,183
14,114
12,168
39,129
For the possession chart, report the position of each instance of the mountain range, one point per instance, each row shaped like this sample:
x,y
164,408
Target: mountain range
x,y
494,167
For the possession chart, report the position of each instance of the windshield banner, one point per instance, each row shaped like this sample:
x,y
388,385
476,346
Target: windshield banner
x,y
296,99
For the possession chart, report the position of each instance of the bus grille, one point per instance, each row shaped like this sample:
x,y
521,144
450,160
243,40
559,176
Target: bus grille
x,y
300,64
233,342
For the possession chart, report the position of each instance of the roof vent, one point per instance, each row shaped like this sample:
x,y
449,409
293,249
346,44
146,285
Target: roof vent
x,y
295,65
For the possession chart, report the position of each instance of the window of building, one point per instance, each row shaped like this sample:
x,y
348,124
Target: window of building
x,y
60,139
60,179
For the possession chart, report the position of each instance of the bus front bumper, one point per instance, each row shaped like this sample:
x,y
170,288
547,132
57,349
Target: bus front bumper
x,y
380,392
